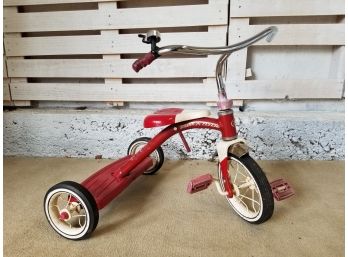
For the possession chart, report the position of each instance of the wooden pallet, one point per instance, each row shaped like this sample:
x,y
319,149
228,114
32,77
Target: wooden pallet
x,y
307,30
59,54
82,50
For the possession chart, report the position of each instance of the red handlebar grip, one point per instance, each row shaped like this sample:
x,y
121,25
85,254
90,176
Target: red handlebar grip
x,y
143,61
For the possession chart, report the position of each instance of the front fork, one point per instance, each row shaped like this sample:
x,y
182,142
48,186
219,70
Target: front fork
x,y
236,147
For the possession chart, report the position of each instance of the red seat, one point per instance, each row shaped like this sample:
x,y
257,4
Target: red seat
x,y
170,116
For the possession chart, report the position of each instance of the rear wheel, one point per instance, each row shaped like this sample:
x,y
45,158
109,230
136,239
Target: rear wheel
x,y
253,198
71,210
157,156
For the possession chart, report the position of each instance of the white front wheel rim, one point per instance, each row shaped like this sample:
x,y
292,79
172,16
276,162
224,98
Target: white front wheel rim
x,y
247,199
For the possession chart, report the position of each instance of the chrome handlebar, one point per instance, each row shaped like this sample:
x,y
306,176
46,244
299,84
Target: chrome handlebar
x,y
195,50
154,37
269,33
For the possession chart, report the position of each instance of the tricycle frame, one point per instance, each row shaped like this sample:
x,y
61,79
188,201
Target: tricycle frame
x,y
119,174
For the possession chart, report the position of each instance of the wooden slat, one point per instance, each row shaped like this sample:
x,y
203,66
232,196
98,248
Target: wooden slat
x,y
337,63
252,89
70,68
39,2
260,8
337,67
4,67
114,92
296,34
173,16
236,64
289,89
13,11
103,44
6,90
108,33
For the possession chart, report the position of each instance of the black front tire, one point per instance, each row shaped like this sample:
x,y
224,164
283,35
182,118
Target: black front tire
x,y
263,187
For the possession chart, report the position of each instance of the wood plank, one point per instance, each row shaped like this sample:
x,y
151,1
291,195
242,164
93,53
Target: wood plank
x,y
4,67
252,89
337,65
172,16
106,7
99,68
40,2
17,103
114,92
212,81
104,44
261,8
14,11
236,64
236,103
296,34
6,90
289,89
6,103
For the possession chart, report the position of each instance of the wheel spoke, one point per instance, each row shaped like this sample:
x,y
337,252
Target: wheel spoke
x,y
61,198
79,215
69,224
80,222
243,196
65,200
239,171
246,191
235,177
68,201
56,205
246,184
246,206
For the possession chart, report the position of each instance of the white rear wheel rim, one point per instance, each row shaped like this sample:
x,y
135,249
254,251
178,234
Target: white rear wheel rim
x,y
79,218
247,200
154,155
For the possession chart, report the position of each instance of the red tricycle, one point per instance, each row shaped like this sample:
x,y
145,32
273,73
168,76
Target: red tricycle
x,y
72,209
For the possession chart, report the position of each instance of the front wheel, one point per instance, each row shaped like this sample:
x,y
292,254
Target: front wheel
x,y
252,199
71,210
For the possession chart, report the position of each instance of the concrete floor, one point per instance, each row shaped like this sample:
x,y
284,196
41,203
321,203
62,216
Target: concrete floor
x,y
156,217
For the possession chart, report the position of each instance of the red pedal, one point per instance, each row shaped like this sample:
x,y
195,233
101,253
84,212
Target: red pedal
x,y
281,189
200,183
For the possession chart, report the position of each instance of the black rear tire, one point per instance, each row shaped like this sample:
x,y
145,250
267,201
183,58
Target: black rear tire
x,y
54,202
158,154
